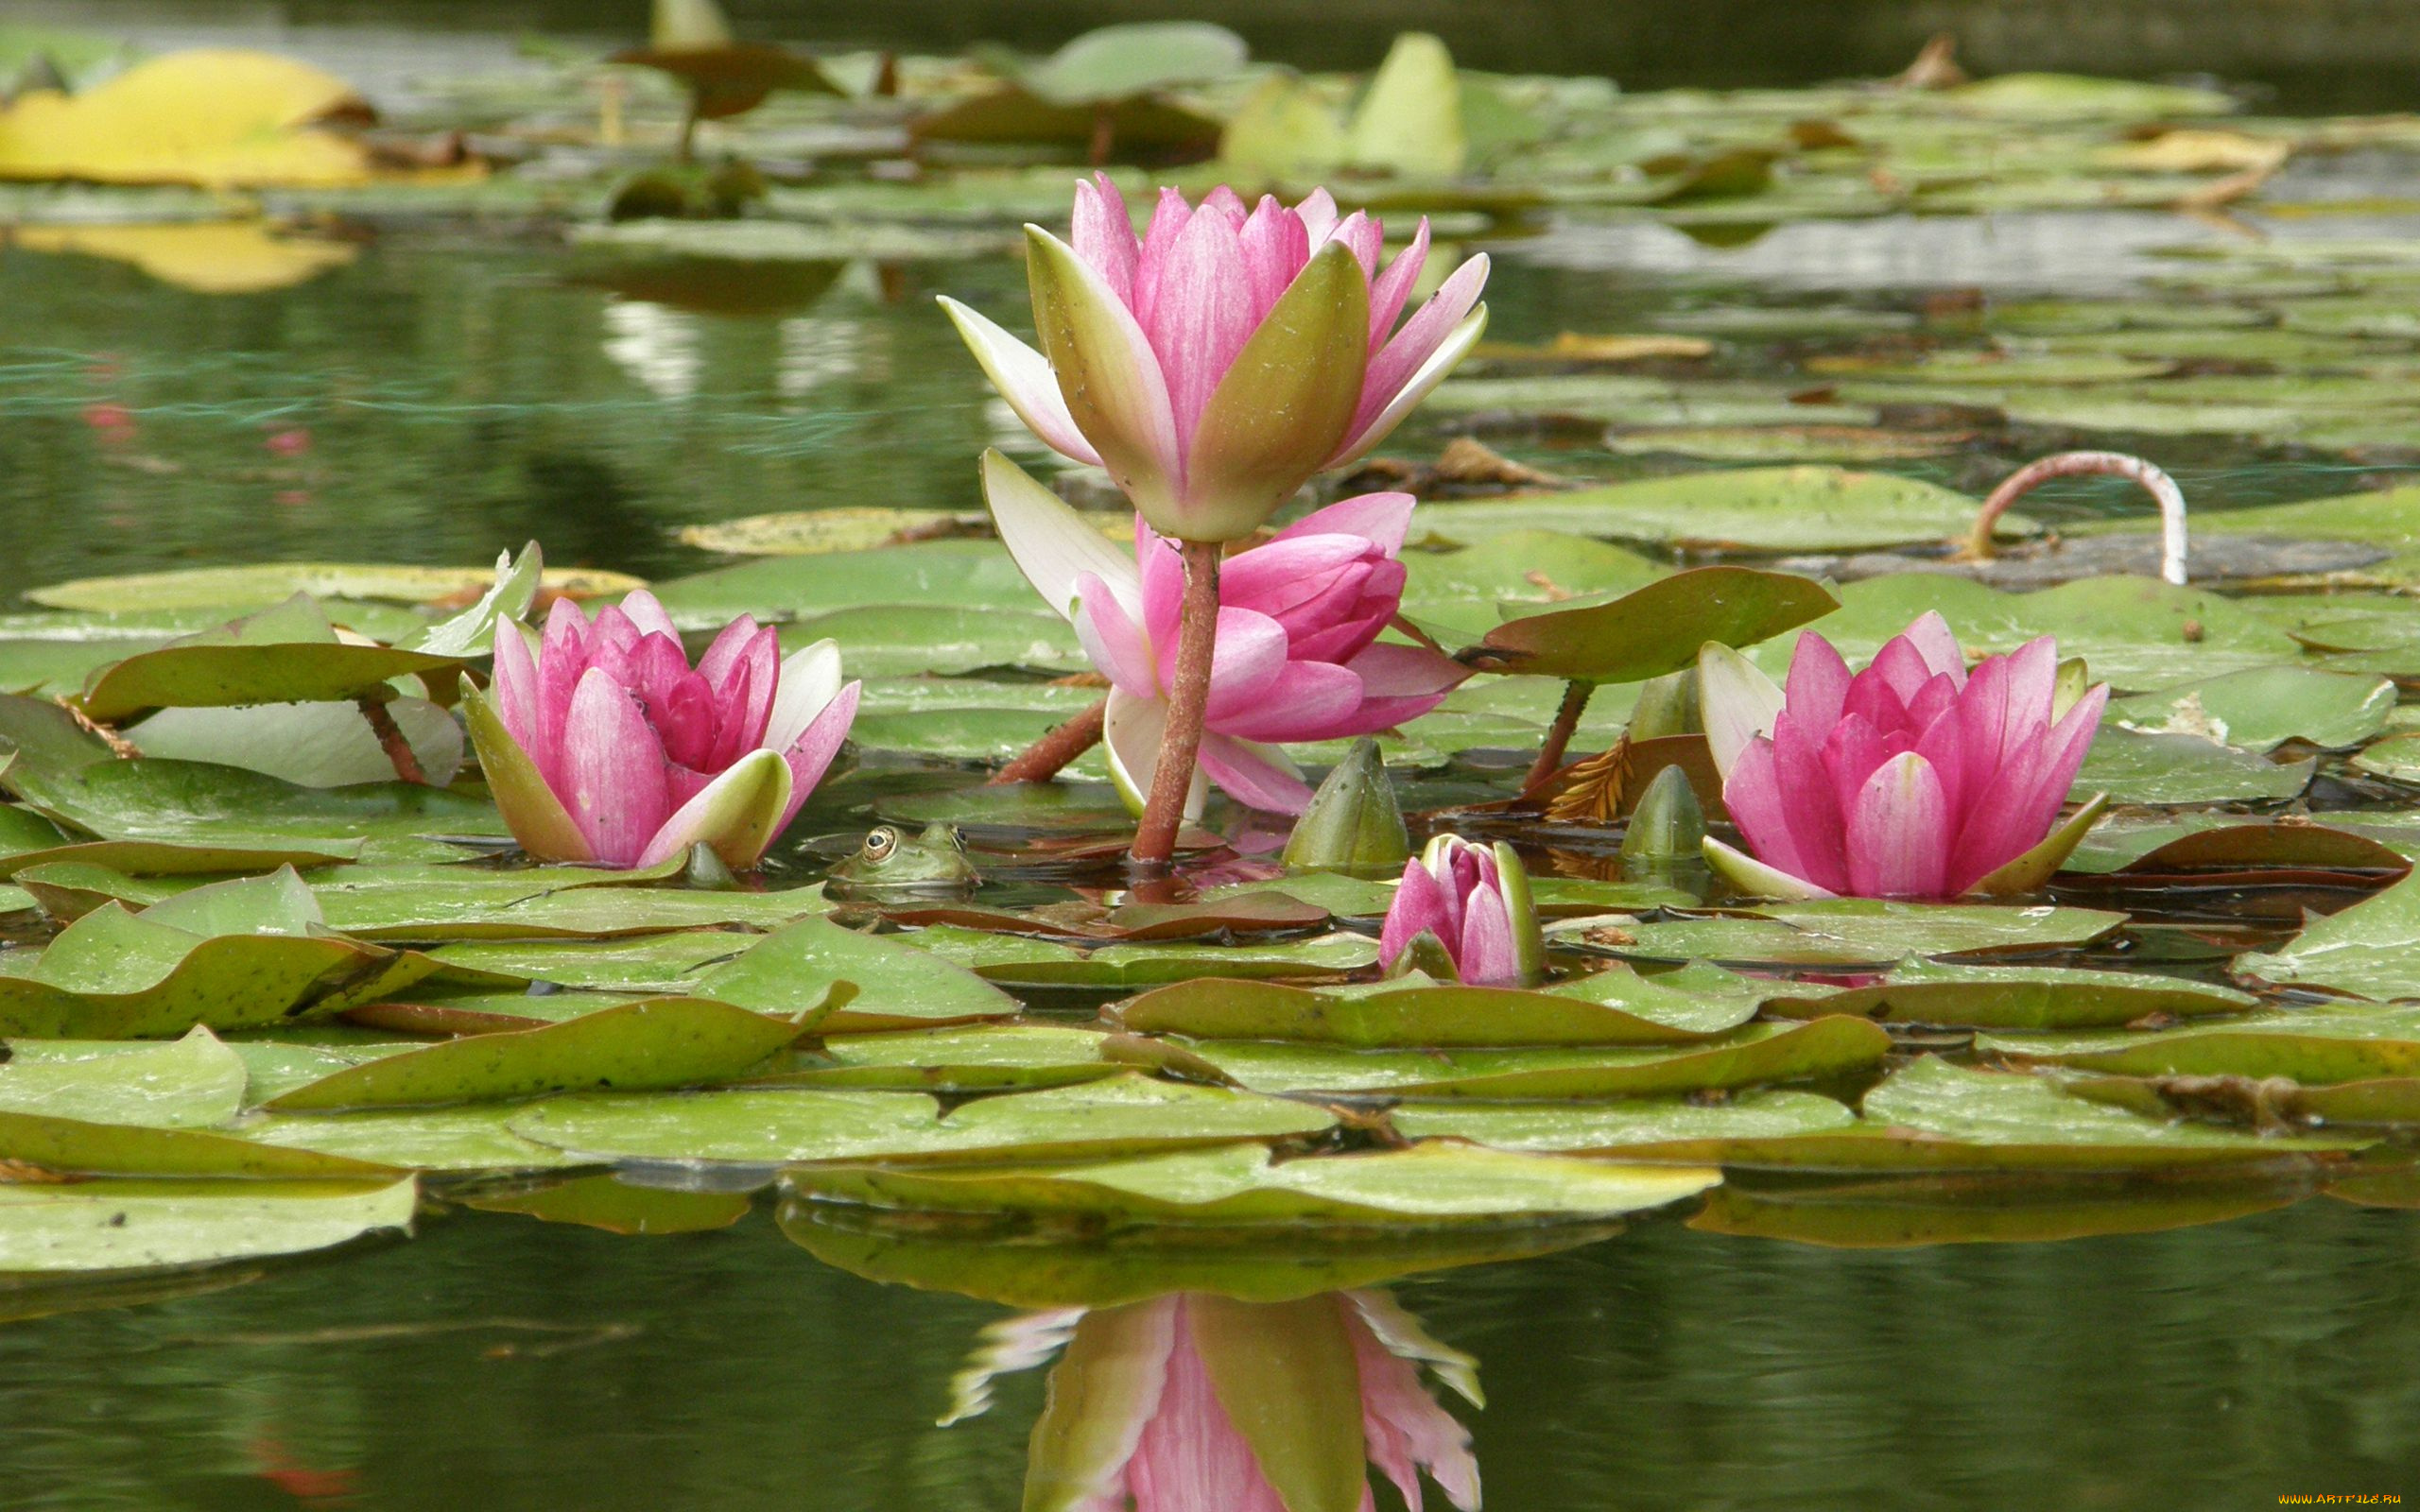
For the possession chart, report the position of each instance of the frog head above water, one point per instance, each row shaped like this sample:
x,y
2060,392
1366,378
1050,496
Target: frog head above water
x,y
894,863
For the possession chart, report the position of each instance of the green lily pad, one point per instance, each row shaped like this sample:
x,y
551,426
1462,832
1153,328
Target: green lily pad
x,y
1217,1008
940,574
888,640
2264,707
136,1225
898,985
653,964
316,744
800,1124
1639,1129
657,1044
190,1083
2207,842
232,955
2371,949
2019,997
2396,757
1141,966
972,1058
815,532
2132,768
1748,1057
267,583
2315,1047
287,654
1439,1183
1783,508
76,1146
1863,931
1652,630
471,1138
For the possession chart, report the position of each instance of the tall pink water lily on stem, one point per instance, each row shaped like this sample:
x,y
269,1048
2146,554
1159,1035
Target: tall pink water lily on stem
x,y
1913,778
1197,1403
607,747
1297,656
1218,361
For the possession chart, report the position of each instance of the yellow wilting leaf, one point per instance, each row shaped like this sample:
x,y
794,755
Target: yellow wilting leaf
x,y
207,257
215,118
1591,792
2199,151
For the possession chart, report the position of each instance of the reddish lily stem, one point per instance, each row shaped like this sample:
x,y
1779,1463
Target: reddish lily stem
x,y
1197,636
2081,464
390,738
1042,759
1567,719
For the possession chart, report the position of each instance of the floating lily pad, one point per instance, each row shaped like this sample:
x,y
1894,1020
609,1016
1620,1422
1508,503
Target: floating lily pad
x,y
2371,949
2019,997
260,585
316,745
191,1083
950,574
2316,1046
1213,1009
2395,758
1750,1055
2264,707
814,532
1861,931
2132,768
1787,508
654,964
975,1059
1140,966
1438,1183
473,1138
76,1146
2218,842
1639,1129
657,1044
130,1225
898,985
287,654
798,1125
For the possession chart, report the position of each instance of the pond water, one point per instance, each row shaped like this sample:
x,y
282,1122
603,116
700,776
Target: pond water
x,y
439,390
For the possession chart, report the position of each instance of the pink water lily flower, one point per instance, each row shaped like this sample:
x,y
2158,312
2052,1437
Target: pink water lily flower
x,y
1197,1403
1298,655
606,747
1913,779
1474,902
1217,362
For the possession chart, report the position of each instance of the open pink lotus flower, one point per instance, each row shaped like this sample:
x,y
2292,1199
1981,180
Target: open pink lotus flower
x,y
606,748
1298,655
1913,779
1474,902
1219,361
1197,1403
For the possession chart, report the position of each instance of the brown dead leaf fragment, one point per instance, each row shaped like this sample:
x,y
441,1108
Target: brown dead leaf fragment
x,y
1935,66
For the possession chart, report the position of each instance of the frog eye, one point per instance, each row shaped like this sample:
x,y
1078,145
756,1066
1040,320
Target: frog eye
x,y
880,843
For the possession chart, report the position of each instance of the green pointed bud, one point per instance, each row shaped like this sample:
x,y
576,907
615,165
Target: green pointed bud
x,y
1354,824
707,872
1529,940
1426,958
2075,680
1667,824
1667,705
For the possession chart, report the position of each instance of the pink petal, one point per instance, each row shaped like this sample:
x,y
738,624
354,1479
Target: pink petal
x,y
1318,213
746,698
1162,570
1995,829
1306,700
1227,205
1754,796
1201,318
810,756
1419,905
1190,1455
1853,751
1275,248
647,614
1246,662
1818,682
614,779
1252,776
730,647
1383,519
1365,236
562,656
1933,639
1280,574
1903,667
1818,824
1391,287
514,691
1112,642
1898,843
1873,698
1400,682
1171,215
1103,234
1486,957
1406,1429
1393,364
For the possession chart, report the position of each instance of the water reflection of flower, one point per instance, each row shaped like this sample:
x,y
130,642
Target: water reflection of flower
x,y
1193,1402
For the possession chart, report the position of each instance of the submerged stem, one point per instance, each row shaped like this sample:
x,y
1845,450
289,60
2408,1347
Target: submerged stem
x,y
390,739
1188,700
1044,758
2081,464
1567,719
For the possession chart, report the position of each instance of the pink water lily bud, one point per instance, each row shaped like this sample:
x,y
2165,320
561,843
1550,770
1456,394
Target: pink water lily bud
x,y
1474,902
1217,362
1193,1402
1298,655
1913,779
605,745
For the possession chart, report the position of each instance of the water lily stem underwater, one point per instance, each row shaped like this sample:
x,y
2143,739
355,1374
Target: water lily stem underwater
x,y
1046,758
2087,464
1567,719
392,740
1188,702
